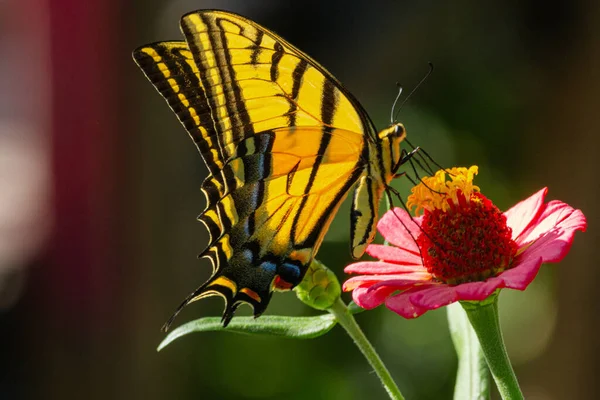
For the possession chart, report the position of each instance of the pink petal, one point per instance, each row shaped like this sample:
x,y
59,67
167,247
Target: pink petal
x,y
380,267
477,291
392,228
394,254
401,305
552,247
520,276
434,297
520,216
407,281
398,279
369,299
553,234
552,215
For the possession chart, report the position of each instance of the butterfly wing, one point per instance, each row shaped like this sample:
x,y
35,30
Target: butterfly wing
x,y
282,139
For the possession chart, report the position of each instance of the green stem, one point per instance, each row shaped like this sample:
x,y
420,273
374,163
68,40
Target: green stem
x,y
347,321
472,377
484,320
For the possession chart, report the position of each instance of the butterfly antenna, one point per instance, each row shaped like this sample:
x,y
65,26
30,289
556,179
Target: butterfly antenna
x,y
395,101
415,89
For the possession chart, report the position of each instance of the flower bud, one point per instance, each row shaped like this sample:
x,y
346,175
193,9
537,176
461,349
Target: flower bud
x,y
320,287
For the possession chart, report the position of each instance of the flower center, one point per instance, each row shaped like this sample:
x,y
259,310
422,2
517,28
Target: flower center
x,y
464,237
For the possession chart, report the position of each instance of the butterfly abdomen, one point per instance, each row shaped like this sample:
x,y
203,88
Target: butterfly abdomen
x,y
384,156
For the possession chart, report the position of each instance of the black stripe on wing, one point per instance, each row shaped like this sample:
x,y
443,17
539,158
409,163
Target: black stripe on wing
x,y
171,71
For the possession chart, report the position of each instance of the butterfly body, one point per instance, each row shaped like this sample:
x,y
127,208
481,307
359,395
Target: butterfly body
x,y
284,143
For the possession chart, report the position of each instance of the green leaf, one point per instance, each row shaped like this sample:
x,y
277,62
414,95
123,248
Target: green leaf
x,y
268,325
473,377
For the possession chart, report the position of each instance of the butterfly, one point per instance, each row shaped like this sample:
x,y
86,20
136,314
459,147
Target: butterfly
x,y
284,142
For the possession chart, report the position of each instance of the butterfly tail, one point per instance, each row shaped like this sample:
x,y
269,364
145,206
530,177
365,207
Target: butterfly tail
x,y
221,286
169,322
216,286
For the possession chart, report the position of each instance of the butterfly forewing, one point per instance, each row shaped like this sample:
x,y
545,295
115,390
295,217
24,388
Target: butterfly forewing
x,y
256,81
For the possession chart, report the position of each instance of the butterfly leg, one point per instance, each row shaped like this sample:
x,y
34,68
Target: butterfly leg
x,y
406,157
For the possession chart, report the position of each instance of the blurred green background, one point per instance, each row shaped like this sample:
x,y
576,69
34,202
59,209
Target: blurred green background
x,y
99,190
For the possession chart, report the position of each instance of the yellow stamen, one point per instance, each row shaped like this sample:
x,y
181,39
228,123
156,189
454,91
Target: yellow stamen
x,y
434,191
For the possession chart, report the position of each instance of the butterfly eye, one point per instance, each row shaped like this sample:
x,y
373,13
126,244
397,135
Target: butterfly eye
x,y
398,130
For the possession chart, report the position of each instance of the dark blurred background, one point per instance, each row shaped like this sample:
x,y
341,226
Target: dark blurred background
x,y
99,190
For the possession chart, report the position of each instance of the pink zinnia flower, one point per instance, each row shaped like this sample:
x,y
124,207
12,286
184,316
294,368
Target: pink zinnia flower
x,y
461,248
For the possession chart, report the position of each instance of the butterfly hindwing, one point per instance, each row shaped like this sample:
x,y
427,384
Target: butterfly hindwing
x,y
276,207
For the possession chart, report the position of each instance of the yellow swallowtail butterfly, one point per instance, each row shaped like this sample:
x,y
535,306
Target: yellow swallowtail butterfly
x,y
283,141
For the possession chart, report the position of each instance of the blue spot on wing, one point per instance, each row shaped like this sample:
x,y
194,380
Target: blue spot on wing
x,y
248,255
269,266
290,272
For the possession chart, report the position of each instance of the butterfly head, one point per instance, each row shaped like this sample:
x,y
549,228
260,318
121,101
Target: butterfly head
x,y
395,132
